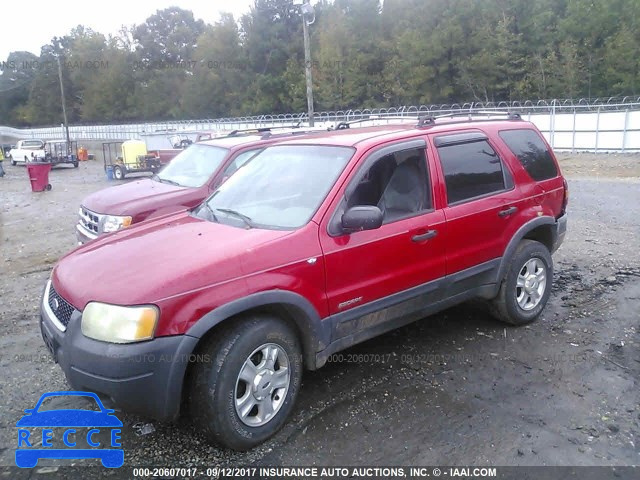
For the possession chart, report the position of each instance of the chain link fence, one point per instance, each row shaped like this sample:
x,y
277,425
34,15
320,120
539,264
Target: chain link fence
x,y
608,124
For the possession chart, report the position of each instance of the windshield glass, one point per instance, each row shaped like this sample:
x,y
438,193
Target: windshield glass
x,y
279,188
193,167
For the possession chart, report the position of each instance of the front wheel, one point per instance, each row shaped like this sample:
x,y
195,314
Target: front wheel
x,y
526,286
247,381
13,162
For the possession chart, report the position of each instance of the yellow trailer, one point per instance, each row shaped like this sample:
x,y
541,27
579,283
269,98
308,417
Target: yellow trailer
x,y
127,157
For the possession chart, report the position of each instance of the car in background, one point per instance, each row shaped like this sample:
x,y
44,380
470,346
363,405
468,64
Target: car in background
x,y
27,151
185,182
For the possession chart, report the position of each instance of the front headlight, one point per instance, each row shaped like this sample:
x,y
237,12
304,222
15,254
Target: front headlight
x,y
113,223
116,324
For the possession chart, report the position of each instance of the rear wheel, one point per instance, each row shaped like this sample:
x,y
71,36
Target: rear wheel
x,y
118,172
526,286
244,390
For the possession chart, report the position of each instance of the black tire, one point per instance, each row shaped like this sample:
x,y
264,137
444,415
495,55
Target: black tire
x,y
48,187
505,306
75,164
215,380
13,162
118,172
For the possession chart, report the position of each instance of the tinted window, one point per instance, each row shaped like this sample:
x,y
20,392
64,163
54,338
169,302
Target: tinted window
x,y
532,153
471,170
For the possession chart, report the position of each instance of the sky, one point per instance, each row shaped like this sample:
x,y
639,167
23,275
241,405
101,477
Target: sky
x,y
29,24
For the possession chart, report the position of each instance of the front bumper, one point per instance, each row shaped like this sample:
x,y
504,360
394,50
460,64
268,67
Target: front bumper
x,y
144,377
561,230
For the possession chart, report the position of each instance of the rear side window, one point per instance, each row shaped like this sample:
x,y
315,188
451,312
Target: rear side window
x,y
532,152
471,170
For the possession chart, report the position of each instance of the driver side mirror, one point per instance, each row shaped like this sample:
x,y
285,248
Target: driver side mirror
x,y
361,217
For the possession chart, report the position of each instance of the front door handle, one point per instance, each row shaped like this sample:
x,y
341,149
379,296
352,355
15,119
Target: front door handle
x,y
508,211
424,236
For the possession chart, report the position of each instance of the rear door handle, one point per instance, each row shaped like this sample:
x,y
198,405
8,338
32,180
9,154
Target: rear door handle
x,y
424,236
508,211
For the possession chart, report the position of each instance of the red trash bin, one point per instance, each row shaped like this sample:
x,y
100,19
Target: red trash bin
x,y
39,176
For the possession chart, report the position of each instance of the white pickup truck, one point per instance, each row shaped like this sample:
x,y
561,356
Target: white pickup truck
x,y
27,151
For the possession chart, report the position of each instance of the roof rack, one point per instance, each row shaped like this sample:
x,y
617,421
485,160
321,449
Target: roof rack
x,y
345,125
253,131
430,120
299,131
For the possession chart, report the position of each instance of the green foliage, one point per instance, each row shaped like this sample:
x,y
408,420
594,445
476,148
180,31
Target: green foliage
x,y
365,53
217,82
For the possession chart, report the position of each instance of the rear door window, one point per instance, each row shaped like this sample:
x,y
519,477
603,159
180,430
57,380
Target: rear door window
x,y
532,152
471,170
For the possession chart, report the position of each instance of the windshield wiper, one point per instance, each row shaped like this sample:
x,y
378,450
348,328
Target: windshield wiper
x,y
165,180
247,220
210,211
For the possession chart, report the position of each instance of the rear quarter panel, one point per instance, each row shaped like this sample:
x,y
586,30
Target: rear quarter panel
x,y
544,196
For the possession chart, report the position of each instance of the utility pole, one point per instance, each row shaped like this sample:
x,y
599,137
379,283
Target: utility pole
x,y
64,106
307,10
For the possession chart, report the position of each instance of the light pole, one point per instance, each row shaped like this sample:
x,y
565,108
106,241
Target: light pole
x,y
64,108
308,17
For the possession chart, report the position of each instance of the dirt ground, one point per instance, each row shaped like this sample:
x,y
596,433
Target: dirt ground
x,y
455,389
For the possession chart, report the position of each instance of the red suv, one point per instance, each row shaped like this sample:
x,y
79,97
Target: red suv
x,y
317,244
185,182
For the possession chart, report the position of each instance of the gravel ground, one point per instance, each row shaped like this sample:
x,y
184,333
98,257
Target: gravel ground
x,y
458,388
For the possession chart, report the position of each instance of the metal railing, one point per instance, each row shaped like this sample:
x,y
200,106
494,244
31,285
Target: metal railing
x,y
607,124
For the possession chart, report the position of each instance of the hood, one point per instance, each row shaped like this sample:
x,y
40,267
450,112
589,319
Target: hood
x,y
155,260
139,196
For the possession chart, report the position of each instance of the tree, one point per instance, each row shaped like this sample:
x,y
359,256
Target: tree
x,y
15,84
620,62
109,97
365,53
44,106
271,34
215,88
168,37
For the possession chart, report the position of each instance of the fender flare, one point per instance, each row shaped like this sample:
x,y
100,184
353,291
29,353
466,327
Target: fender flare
x,y
315,334
516,239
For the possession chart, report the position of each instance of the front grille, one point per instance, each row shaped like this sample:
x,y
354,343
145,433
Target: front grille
x,y
89,220
59,306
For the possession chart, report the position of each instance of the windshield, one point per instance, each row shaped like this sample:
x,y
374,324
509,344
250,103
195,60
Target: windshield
x,y
279,188
193,167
